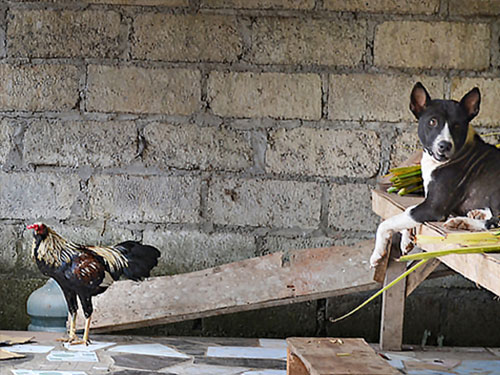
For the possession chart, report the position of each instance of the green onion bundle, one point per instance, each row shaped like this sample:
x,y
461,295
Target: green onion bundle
x,y
406,180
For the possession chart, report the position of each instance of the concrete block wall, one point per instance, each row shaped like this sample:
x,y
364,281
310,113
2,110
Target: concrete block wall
x,y
219,130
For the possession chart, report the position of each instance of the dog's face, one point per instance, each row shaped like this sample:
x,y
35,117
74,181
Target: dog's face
x,y
443,125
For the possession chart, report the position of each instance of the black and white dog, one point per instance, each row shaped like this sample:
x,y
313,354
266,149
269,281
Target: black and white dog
x,y
461,172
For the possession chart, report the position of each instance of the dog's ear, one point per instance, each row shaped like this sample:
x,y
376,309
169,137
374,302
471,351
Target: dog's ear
x,y
470,103
419,99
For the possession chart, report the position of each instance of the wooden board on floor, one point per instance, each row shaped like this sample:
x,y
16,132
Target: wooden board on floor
x,y
393,301
484,269
322,356
270,280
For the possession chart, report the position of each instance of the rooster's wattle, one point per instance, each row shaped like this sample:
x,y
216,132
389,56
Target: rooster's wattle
x,y
86,271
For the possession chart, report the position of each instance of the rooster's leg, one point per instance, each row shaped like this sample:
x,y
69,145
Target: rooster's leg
x,y
87,311
86,332
72,330
85,340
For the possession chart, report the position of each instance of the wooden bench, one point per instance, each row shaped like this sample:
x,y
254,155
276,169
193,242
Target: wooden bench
x,y
328,356
483,269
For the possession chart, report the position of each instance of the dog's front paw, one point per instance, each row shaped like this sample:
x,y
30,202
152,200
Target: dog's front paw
x,y
378,254
480,214
464,223
408,239
375,259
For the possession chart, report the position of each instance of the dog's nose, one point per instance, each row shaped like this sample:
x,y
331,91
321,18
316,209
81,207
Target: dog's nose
x,y
444,146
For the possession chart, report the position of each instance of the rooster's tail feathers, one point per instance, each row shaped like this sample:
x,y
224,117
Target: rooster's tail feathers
x,y
140,259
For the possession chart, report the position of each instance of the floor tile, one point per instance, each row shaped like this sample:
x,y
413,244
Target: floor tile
x,y
93,346
149,349
202,369
276,364
272,343
30,348
246,352
44,372
65,356
135,372
478,368
145,362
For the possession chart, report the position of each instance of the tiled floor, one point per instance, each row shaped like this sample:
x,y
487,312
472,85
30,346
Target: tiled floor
x,y
126,355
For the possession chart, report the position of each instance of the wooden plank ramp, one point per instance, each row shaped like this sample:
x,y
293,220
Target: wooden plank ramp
x,y
329,356
271,280
484,269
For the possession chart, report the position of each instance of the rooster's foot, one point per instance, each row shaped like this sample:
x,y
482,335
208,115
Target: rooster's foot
x,y
80,342
70,339
73,340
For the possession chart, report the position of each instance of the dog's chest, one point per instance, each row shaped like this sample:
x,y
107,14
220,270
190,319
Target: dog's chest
x,y
428,165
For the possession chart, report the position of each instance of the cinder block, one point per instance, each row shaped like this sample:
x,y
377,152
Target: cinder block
x,y
490,91
376,97
441,45
277,204
351,208
37,195
156,199
272,244
323,152
194,147
159,3
405,145
39,87
473,8
307,41
192,38
187,251
80,143
384,6
143,90
258,4
67,33
7,130
277,95
9,244
95,232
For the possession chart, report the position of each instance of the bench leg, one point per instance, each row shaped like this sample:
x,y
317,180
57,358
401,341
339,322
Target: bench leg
x,y
294,365
393,301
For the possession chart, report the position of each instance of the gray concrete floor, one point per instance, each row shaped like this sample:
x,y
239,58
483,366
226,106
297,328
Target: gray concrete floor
x,y
134,355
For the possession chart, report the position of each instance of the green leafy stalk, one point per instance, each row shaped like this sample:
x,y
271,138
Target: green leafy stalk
x,y
405,180
388,286
402,170
407,174
462,238
464,250
408,190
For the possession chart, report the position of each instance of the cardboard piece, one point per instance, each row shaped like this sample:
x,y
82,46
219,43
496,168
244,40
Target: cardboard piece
x,y
6,340
4,354
13,340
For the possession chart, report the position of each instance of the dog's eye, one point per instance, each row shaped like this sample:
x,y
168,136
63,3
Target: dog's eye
x,y
433,122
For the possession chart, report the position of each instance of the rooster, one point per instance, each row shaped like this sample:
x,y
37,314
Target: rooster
x,y
86,271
